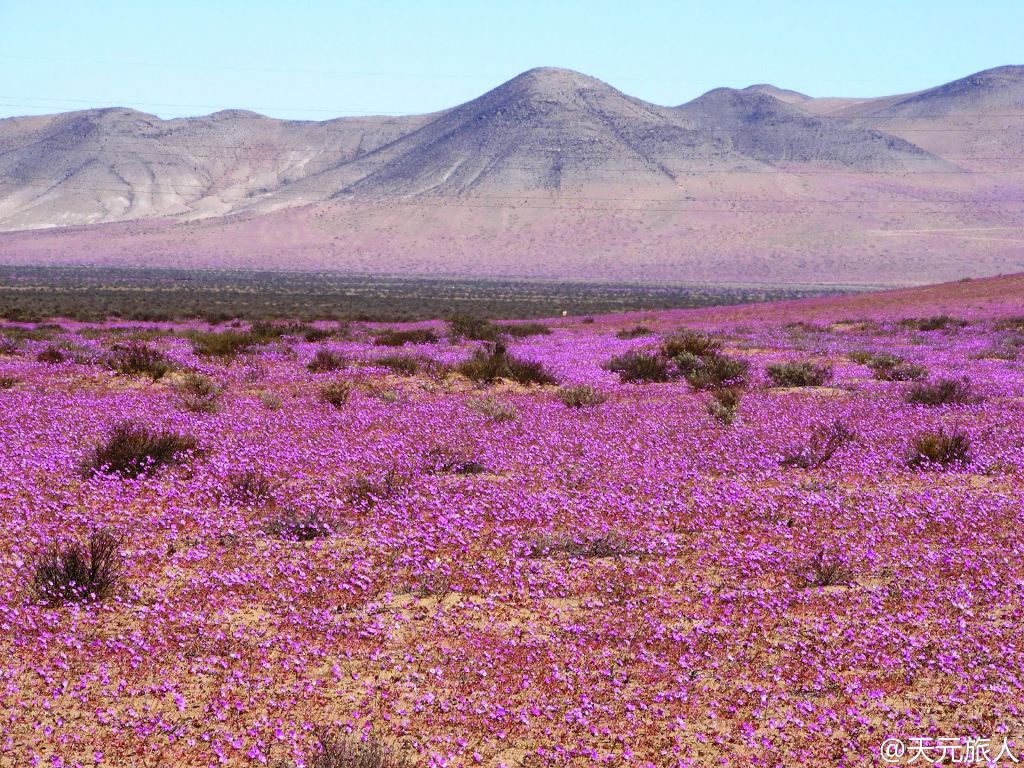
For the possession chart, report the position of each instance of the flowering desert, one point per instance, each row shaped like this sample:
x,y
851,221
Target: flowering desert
x,y
751,536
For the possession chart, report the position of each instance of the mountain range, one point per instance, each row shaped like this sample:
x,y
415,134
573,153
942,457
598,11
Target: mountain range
x,y
553,174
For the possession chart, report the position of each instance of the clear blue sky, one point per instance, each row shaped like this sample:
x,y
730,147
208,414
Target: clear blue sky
x,y
319,59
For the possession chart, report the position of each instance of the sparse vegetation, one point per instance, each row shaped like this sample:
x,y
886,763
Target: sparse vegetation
x,y
523,330
716,371
494,409
198,393
336,750
690,342
135,358
824,571
634,333
893,368
51,355
825,441
293,526
584,546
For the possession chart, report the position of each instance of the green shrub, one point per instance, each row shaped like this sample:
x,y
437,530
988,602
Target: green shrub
x,y
473,328
391,337
222,343
134,450
487,367
582,396
799,373
691,342
718,371
638,367
940,450
936,323
941,392
893,368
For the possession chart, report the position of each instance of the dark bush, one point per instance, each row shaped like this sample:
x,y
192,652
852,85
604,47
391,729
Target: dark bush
x,y
134,450
718,371
336,394
582,396
824,443
637,367
8,382
249,487
487,366
391,337
364,491
473,328
634,333
893,368
76,573
941,392
799,373
136,358
334,750
691,342
223,343
936,323
522,330
51,355
410,365
940,450
325,361
724,405
493,409
443,458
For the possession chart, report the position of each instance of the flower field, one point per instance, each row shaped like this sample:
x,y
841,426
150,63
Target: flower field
x,y
747,536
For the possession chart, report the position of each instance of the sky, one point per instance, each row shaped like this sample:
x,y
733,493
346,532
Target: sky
x,y
319,59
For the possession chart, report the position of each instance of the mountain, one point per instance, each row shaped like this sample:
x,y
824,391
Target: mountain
x,y
551,174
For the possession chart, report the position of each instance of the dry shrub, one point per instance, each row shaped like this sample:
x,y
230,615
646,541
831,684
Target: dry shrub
x,y
799,373
249,487
135,450
940,450
824,571
336,394
586,546
364,492
325,360
825,441
941,392
936,323
136,358
335,750
270,400
473,328
724,405
523,330
223,344
582,396
8,382
493,409
292,526
77,573
444,458
198,393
